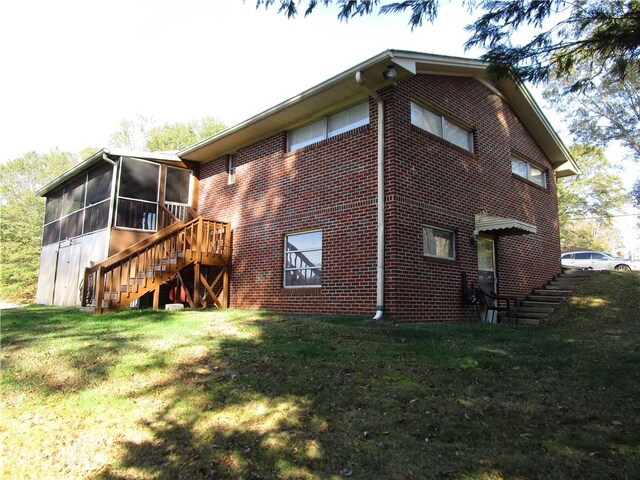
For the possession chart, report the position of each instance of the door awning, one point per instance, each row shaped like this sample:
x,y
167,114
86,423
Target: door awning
x,y
501,226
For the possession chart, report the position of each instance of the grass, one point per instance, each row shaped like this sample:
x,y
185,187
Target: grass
x,y
246,394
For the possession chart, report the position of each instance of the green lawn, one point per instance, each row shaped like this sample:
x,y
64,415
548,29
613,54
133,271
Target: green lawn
x,y
245,394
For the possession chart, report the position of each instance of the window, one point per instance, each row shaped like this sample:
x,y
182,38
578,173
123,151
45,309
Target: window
x,y
330,126
439,243
303,259
53,209
99,184
73,199
138,194
231,170
177,185
441,126
526,170
81,206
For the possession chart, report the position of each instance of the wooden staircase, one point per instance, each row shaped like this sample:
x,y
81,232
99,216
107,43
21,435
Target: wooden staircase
x,y
542,302
179,251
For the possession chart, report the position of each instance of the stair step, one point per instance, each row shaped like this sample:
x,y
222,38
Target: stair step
x,y
556,285
548,299
532,315
567,280
551,292
576,273
557,290
541,303
536,309
529,321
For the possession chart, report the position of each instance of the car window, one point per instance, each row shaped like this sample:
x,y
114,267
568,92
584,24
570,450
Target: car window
x,y
567,256
582,256
598,256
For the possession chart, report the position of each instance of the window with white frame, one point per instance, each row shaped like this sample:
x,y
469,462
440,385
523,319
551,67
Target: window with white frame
x,y
524,169
330,126
441,126
303,259
439,242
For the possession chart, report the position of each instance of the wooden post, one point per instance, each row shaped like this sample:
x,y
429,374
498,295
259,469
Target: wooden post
x,y
227,243
99,290
227,261
85,286
199,240
196,284
156,298
225,286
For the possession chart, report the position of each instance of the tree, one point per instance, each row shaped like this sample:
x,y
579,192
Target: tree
x,y
581,32
132,134
593,234
635,194
175,136
21,217
142,134
595,195
608,113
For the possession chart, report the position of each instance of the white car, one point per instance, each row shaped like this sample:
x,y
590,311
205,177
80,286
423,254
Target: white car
x,y
592,260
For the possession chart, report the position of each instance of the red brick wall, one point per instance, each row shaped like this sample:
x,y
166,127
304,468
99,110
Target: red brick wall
x,y
332,186
436,183
328,186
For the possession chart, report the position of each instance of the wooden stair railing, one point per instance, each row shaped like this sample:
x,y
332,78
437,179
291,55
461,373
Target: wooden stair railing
x,y
144,266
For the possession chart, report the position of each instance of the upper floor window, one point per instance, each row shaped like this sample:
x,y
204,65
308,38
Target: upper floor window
x,y
138,194
79,207
441,126
526,170
303,259
327,127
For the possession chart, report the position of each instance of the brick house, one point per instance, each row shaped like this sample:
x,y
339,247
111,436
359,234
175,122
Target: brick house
x,y
377,189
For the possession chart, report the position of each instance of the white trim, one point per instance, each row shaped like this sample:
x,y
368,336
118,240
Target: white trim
x,y
325,126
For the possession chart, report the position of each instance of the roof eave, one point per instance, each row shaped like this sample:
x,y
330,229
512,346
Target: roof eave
x,y
283,115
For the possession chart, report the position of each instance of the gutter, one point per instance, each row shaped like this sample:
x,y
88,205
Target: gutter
x,y
380,239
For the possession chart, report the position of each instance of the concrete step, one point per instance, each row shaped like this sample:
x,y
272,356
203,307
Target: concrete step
x,y
535,309
553,285
541,303
567,281
553,300
555,291
577,274
529,321
538,315
552,292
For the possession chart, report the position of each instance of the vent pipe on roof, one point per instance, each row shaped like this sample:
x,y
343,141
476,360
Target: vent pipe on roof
x,y
380,257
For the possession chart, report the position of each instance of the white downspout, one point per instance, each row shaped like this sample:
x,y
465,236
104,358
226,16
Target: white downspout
x,y
380,257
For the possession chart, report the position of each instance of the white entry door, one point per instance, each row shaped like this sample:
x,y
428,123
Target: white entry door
x,y
487,264
487,272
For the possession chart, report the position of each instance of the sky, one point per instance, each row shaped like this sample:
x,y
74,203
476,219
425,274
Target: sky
x,y
72,70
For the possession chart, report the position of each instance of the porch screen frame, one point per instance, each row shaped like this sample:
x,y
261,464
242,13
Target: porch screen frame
x,y
132,199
